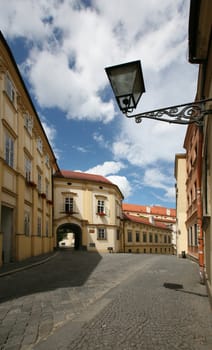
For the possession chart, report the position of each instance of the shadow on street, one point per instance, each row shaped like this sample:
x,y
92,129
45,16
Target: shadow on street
x,y
68,269
179,288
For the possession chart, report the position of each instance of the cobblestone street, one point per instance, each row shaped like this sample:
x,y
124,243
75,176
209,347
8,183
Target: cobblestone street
x,y
80,300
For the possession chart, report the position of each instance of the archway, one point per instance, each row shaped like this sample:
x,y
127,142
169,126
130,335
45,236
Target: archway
x,y
69,236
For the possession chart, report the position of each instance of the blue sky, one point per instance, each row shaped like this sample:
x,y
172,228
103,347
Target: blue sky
x,y
62,48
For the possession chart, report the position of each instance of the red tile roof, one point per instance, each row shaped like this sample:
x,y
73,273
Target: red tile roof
x,y
153,210
143,220
82,176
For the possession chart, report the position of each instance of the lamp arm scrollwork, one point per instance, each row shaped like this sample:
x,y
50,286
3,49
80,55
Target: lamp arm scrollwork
x,y
183,114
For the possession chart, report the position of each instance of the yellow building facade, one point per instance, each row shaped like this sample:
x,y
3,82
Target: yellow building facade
x,y
27,164
90,207
142,236
181,204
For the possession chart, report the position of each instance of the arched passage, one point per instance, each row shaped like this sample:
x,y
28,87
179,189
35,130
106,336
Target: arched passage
x,y
69,236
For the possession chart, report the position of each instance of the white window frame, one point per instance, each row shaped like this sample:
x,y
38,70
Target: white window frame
x,y
69,204
28,123
47,189
47,161
9,88
100,206
9,149
39,182
40,145
28,168
27,223
101,234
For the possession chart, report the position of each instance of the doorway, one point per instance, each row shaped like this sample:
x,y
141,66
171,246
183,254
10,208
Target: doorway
x,y
7,230
69,236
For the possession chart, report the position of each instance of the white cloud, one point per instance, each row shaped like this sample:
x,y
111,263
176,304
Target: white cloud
x,y
70,44
107,168
122,183
155,178
80,149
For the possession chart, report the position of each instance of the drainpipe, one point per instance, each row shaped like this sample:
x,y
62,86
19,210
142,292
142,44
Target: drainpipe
x,y
199,188
199,208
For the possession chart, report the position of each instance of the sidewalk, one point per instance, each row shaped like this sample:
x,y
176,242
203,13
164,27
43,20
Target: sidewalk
x,y
13,267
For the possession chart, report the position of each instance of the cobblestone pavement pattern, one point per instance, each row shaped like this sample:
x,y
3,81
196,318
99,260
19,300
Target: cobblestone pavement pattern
x,y
87,301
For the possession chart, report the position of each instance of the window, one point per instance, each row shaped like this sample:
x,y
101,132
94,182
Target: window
x,y
118,235
9,150
69,204
27,224
47,161
100,207
150,238
156,238
101,234
28,123
10,90
39,182
165,239
195,235
129,236
39,227
169,239
137,236
144,237
47,189
28,168
47,228
40,145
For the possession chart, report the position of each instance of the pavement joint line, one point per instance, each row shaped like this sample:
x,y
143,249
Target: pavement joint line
x,y
18,269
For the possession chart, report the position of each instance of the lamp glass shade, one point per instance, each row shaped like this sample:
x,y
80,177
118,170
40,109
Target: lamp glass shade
x,y
127,84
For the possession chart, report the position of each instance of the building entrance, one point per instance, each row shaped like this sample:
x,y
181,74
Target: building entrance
x,y
69,236
7,229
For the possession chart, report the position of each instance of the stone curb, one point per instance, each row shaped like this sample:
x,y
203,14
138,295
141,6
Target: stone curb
x,y
18,269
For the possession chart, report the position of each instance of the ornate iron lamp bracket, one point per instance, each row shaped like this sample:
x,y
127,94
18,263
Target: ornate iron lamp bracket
x,y
189,113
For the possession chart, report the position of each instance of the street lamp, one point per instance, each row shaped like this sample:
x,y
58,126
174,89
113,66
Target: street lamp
x,y
128,85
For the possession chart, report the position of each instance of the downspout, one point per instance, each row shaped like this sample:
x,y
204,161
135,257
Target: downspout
x,y
201,254
199,208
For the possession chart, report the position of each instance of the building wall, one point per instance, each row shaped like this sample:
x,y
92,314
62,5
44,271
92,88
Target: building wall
x,y
205,89
98,230
192,146
155,214
141,238
181,204
25,155
200,52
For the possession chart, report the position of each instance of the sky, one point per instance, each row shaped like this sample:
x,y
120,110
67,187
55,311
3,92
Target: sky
x,y
62,48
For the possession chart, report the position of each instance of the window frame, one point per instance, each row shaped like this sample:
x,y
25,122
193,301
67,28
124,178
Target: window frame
x,y
137,236
28,168
100,206
39,226
9,149
27,224
10,88
69,204
129,236
39,184
101,234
